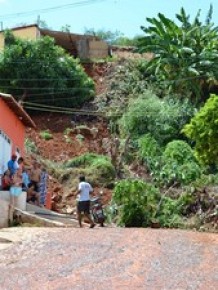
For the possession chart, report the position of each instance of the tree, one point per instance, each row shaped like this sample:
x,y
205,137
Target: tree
x,y
203,130
185,55
41,72
66,28
112,37
43,24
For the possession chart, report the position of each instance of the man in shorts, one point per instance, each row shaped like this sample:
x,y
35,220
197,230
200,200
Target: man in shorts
x,y
35,176
83,206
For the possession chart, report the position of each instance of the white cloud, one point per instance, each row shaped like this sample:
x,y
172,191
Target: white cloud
x,y
3,1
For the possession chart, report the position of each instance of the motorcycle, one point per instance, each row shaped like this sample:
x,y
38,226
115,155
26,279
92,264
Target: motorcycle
x,y
96,210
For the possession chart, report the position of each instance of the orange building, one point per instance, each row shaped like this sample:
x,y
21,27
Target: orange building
x,y
13,121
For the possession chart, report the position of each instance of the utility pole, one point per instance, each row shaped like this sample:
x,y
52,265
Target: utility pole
x,y
1,23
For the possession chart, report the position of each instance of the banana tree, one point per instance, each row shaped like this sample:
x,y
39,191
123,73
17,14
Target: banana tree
x,y
185,54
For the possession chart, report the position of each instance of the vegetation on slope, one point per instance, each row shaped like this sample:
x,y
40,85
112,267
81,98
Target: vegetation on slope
x,y
157,112
40,72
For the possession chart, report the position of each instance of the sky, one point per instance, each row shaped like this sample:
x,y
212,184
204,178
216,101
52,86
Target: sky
x,y
125,16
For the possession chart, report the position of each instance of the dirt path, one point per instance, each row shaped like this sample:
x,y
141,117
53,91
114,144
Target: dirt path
x,y
109,258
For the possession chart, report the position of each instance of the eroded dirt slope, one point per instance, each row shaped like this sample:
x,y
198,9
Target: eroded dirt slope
x,y
64,146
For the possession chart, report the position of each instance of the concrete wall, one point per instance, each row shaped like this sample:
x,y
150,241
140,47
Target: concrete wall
x,y
98,49
2,41
31,33
92,48
83,48
6,211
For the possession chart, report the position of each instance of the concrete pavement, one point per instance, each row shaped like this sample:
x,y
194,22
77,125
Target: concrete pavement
x,y
108,258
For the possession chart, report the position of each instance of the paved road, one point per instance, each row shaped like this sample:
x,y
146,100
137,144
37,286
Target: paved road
x,y
108,258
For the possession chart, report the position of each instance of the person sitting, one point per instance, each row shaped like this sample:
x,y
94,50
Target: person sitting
x,y
32,195
6,180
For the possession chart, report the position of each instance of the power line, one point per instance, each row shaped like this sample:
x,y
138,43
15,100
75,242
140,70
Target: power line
x,y
65,111
81,61
56,90
50,9
46,88
49,106
40,79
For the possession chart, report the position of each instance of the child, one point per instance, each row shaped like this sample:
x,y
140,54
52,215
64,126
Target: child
x,y
25,179
32,195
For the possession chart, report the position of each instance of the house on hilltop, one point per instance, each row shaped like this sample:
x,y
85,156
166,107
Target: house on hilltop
x,y
13,122
77,45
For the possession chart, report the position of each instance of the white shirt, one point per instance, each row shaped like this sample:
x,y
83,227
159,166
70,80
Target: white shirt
x,y
85,189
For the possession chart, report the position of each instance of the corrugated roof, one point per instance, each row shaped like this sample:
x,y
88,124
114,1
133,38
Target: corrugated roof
x,y
18,110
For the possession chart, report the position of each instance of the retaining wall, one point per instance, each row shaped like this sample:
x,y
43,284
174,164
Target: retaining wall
x,y
7,205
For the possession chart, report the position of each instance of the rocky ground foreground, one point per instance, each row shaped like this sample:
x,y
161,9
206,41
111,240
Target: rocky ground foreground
x,y
107,258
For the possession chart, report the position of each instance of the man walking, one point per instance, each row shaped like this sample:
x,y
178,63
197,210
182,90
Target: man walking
x,y
83,206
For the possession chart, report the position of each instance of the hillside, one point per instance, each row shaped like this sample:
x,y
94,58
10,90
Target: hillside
x,y
76,135
62,146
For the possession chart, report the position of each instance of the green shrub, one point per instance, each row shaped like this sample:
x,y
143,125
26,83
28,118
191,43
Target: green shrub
x,y
104,168
205,180
139,204
149,150
46,135
203,130
171,172
163,119
177,165
30,146
98,168
141,115
148,147
86,159
179,151
136,202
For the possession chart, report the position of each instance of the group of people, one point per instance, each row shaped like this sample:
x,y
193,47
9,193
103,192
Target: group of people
x,y
18,178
